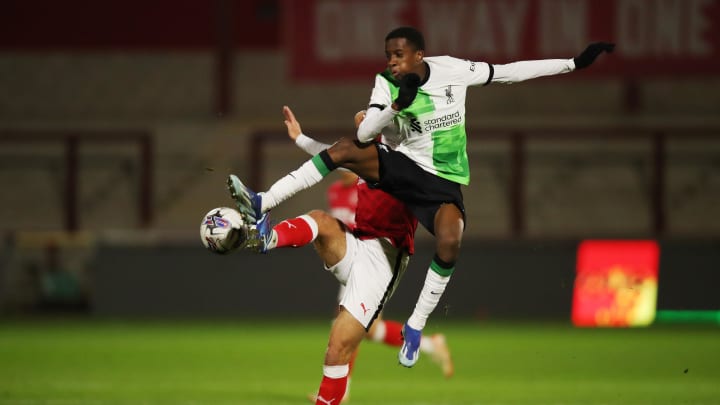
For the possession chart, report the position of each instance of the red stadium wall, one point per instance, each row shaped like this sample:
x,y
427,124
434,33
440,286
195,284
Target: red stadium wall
x,y
86,25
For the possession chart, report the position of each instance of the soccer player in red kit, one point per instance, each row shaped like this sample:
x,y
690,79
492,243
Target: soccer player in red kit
x,y
342,197
368,260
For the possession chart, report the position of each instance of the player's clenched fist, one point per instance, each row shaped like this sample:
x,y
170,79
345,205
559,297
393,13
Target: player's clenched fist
x,y
407,91
588,56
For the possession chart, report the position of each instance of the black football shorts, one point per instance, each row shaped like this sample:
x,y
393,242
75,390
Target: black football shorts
x,y
421,191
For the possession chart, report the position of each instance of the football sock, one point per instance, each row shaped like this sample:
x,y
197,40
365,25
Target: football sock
x,y
393,333
388,332
295,232
309,174
426,345
438,275
333,385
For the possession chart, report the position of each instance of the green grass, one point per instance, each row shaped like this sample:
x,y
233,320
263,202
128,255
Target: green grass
x,y
173,362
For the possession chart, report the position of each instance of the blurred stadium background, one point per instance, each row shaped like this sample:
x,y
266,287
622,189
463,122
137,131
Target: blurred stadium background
x,y
120,120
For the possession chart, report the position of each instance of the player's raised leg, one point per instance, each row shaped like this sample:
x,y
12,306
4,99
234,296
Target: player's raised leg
x,y
252,205
317,227
360,158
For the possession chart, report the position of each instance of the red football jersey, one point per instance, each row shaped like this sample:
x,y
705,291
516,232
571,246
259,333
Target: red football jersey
x,y
343,201
380,215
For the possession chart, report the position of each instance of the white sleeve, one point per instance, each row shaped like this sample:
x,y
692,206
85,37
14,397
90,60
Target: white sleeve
x,y
374,122
530,69
474,73
380,96
379,113
309,145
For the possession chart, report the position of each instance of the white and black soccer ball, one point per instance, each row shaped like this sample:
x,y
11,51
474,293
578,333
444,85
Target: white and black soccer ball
x,y
221,230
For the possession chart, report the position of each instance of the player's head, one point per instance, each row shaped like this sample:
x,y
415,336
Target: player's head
x,y
404,50
413,37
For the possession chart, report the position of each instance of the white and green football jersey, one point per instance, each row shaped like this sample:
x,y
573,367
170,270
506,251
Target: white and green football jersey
x,y
431,131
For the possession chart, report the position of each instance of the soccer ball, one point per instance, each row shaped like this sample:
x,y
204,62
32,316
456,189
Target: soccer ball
x,y
221,230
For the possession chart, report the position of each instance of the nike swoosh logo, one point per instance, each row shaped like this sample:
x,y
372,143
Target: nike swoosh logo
x,y
435,293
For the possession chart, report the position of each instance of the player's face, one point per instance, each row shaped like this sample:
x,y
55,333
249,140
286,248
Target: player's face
x,y
402,58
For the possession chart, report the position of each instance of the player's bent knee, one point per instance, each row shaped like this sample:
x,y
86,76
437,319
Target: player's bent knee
x,y
448,245
319,215
327,224
449,237
342,151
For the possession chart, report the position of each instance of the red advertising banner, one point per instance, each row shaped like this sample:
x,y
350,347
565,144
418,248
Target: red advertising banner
x,y
616,283
344,39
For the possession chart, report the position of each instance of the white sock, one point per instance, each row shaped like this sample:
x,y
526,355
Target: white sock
x,y
336,371
304,177
379,332
429,297
426,345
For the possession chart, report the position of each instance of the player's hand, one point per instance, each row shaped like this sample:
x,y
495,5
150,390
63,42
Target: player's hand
x,y
293,126
410,350
588,56
359,117
408,90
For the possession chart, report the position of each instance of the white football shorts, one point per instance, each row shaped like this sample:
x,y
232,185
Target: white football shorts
x,y
370,271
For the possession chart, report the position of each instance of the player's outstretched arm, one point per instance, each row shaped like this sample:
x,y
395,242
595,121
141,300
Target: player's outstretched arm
x,y
529,69
292,124
309,145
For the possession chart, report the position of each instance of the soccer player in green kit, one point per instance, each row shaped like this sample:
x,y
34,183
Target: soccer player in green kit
x,y
418,104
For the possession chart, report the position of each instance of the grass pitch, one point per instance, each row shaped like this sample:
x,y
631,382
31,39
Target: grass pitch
x,y
173,362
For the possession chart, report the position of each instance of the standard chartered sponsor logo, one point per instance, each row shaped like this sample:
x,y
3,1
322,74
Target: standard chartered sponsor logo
x,y
445,121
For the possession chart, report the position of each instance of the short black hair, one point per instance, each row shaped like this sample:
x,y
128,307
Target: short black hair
x,y
412,35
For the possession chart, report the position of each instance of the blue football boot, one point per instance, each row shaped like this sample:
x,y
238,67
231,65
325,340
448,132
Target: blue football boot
x,y
248,202
410,350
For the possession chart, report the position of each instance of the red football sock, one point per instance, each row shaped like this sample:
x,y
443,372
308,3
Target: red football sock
x,y
333,385
393,333
296,232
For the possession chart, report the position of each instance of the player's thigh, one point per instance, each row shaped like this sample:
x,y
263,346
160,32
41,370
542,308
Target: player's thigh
x,y
330,242
342,265
361,158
